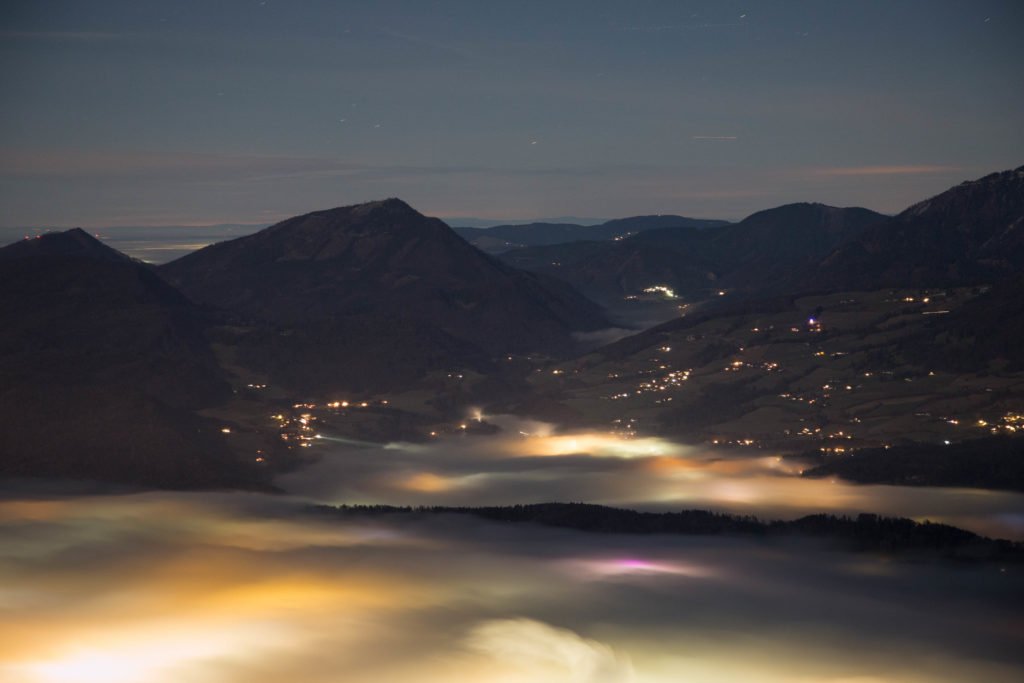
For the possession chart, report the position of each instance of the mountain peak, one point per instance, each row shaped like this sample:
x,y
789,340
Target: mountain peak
x,y
69,243
996,194
813,215
345,244
971,233
793,208
318,233
392,207
376,263
378,295
389,204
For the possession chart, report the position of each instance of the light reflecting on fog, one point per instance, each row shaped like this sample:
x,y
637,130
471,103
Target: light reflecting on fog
x,y
213,588
532,462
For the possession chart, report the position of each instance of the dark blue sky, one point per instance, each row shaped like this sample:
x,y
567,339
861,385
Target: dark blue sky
x,y
142,113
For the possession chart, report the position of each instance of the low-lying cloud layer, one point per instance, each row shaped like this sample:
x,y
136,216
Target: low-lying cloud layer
x,y
531,462
256,589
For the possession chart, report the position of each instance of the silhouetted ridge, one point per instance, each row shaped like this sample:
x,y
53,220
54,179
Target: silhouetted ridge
x,y
994,462
331,273
389,215
863,532
102,367
969,234
69,243
502,238
766,247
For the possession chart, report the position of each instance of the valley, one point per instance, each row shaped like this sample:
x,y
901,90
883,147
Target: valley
x,y
376,324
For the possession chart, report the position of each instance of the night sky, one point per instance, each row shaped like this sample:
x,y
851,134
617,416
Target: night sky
x,y
155,113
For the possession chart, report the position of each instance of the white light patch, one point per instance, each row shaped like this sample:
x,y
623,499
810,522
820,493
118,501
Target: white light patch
x,y
155,655
530,650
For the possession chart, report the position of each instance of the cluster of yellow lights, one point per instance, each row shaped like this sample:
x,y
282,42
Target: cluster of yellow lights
x,y
670,380
734,442
735,366
665,290
1011,423
299,430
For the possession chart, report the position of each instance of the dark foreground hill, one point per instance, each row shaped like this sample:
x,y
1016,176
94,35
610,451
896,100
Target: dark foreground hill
x,y
372,295
864,532
102,367
994,462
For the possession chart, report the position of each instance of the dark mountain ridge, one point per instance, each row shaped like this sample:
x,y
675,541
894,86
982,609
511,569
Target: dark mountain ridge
x,y
73,243
763,247
329,277
770,244
102,367
969,234
502,238
865,532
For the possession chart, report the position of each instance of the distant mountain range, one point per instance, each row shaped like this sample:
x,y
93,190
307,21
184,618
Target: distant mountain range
x,y
501,238
972,233
692,262
458,222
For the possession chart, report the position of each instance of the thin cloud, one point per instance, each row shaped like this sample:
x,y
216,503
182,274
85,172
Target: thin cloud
x,y
61,35
662,28
228,168
65,162
920,169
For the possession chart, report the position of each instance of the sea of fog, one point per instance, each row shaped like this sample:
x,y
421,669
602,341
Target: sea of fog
x,y
245,588
261,588
534,462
